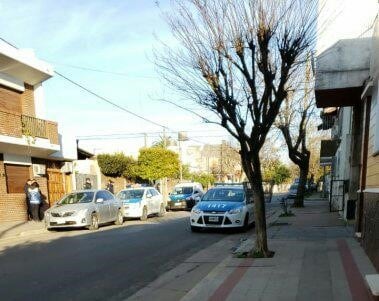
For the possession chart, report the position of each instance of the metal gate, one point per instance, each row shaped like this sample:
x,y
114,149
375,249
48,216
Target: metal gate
x,y
337,195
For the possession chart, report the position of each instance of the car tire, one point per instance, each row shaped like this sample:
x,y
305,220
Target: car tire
x,y
94,222
162,211
120,218
195,229
144,214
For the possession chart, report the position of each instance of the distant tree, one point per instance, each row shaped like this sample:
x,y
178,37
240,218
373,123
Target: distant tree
x,y
204,179
164,142
116,165
277,173
294,123
156,163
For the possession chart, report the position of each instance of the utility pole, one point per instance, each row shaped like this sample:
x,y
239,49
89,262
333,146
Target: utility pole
x,y
145,139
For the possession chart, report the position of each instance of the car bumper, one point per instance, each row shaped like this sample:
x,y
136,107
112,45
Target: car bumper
x,y
132,211
67,222
180,205
221,220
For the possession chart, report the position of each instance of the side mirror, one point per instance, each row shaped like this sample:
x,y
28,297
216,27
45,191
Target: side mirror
x,y
100,200
149,196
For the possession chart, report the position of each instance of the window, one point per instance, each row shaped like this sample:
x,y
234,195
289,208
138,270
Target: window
x,y
108,196
16,176
101,195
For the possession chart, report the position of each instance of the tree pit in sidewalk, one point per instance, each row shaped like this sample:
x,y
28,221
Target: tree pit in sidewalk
x,y
256,254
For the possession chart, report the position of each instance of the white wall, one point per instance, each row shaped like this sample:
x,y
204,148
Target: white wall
x,y
39,101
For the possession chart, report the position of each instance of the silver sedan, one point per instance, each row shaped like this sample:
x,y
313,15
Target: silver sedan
x,y
85,208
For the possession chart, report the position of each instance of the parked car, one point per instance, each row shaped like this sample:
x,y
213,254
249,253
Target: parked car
x,y
141,202
223,207
85,208
292,191
185,195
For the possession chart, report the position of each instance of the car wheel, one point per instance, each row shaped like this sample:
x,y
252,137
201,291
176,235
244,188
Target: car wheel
x,y
94,222
162,211
144,214
120,218
195,229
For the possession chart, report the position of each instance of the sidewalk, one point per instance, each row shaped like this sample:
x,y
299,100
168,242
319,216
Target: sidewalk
x,y
316,258
18,229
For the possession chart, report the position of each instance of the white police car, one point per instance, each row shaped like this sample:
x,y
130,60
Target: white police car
x,y
223,206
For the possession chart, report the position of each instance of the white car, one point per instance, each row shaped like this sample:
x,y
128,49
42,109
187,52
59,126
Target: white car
x,y
141,202
223,206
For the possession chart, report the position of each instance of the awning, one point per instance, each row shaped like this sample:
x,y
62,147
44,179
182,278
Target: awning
x,y
341,71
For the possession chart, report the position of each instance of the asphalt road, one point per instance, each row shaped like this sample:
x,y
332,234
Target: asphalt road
x,y
106,265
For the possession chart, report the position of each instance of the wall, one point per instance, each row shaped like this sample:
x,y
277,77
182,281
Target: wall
x,y
80,179
119,183
27,101
372,177
370,239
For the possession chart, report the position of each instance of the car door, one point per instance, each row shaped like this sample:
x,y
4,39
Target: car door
x,y
102,206
113,206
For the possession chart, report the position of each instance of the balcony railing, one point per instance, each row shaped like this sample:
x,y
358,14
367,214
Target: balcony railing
x,y
17,125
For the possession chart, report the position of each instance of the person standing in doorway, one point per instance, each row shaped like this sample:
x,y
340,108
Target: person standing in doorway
x,y
87,184
27,197
110,186
35,200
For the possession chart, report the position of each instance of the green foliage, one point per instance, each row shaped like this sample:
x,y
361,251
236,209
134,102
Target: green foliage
x,y
276,172
204,179
157,162
116,165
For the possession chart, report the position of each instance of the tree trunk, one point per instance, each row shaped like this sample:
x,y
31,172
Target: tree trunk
x,y
253,173
299,199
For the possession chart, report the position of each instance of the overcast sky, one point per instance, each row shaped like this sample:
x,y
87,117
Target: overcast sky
x,y
118,36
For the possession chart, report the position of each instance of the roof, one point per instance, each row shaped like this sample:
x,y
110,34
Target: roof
x,y
23,65
83,154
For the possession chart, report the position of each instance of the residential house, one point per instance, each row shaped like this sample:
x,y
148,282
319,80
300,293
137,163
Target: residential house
x,y
30,145
347,75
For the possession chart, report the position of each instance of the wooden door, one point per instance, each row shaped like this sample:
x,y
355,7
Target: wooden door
x,y
67,183
55,185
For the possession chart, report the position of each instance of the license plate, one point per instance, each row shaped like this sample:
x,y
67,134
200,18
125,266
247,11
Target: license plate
x,y
178,204
213,219
61,222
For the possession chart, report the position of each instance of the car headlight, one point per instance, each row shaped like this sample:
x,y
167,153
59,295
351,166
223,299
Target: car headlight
x,y
196,211
235,211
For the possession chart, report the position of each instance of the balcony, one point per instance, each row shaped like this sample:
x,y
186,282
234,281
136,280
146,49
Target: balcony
x,y
20,133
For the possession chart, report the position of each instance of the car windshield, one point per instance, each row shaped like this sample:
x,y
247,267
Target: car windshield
x,y
182,190
224,195
79,197
131,194
293,187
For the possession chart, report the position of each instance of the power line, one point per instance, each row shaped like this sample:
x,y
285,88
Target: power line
x,y
102,71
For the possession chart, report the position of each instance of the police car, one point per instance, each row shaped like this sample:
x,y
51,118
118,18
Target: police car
x,y
223,206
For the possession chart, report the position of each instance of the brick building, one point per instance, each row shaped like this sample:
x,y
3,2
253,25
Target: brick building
x,y
30,145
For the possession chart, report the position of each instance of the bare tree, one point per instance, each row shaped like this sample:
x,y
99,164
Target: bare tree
x,y
236,58
294,123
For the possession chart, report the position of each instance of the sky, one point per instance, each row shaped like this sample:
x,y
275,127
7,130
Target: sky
x,y
110,35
